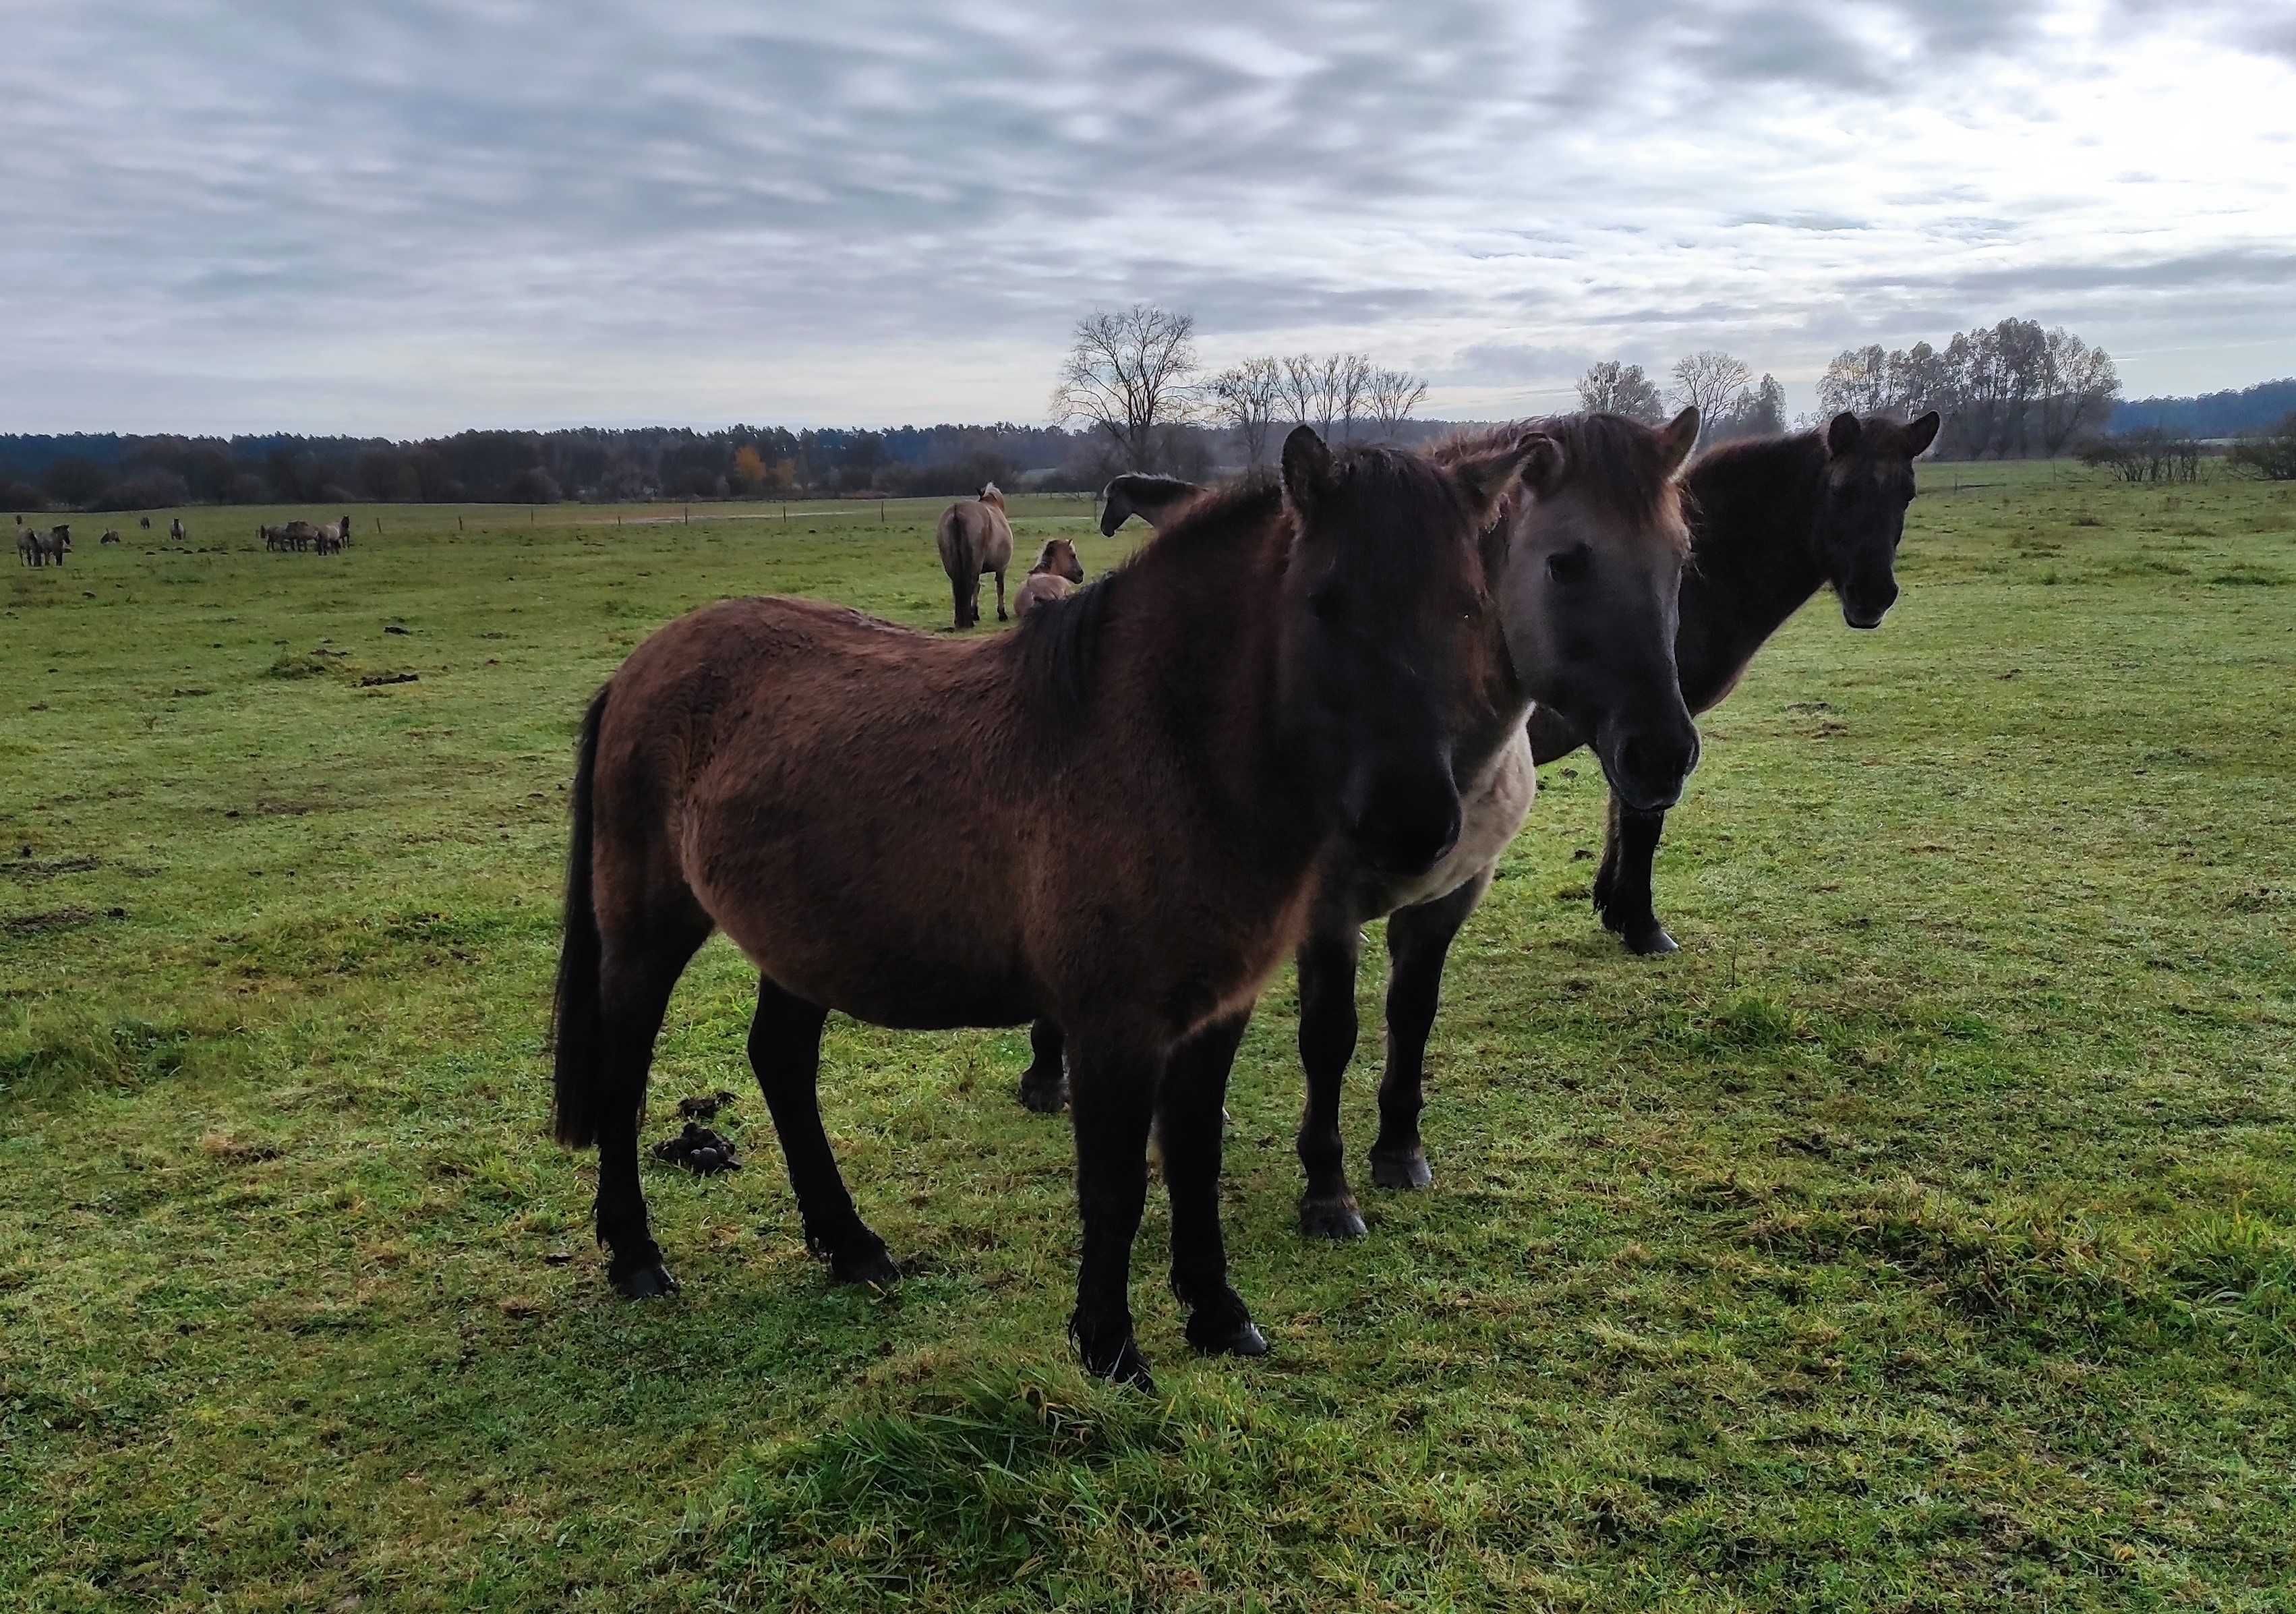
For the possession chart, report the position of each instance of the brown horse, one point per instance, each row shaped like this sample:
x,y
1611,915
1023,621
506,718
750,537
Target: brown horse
x,y
975,536
37,548
1773,520
1154,500
111,536
1594,565
1055,575
920,833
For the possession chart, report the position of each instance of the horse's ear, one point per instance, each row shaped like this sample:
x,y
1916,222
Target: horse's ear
x,y
1535,460
1306,469
1842,434
1676,438
1921,434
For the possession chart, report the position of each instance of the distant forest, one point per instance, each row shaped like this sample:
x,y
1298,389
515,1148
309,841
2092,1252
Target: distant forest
x,y
110,471
105,471
2240,414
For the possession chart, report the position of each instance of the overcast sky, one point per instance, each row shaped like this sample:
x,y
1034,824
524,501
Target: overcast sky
x,y
407,218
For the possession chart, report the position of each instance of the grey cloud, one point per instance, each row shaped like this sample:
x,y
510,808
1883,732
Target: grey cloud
x,y
452,210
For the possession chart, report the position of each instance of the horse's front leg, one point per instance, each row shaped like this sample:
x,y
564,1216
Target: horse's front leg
x,y
1189,1115
1622,889
1112,1080
1327,1044
1044,1085
1418,941
1000,596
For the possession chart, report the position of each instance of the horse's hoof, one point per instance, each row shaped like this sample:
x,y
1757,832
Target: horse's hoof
x,y
646,1281
1334,1218
1650,943
1124,1365
865,1262
1228,1336
1046,1097
1401,1171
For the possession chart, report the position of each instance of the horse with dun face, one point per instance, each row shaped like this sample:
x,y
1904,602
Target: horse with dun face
x,y
922,832
975,536
1057,573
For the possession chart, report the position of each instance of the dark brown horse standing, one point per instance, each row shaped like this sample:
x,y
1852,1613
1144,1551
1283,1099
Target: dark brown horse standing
x,y
1773,520
1593,559
920,832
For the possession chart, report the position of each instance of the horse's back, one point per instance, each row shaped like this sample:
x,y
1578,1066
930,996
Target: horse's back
x,y
814,769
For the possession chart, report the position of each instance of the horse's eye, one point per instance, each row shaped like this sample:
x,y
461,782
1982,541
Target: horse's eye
x,y
1566,565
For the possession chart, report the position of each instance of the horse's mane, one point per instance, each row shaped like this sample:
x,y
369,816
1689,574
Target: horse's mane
x,y
1615,460
1058,643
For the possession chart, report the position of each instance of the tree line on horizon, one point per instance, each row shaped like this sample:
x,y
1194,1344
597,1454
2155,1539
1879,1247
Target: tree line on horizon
x,y
1132,394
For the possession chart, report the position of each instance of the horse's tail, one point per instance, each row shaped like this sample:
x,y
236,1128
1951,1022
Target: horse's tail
x,y
574,1025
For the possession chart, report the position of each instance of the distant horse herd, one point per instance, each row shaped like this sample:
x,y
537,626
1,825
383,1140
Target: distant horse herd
x,y
1310,701
325,538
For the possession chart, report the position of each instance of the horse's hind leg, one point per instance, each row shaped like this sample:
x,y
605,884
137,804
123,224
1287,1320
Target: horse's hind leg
x,y
635,977
1418,941
1327,1044
1189,1111
1000,596
785,1052
1622,887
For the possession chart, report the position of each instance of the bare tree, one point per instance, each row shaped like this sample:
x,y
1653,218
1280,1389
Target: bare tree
x,y
1352,383
1394,395
1858,380
2076,384
1311,389
1612,388
1244,398
1710,382
1128,373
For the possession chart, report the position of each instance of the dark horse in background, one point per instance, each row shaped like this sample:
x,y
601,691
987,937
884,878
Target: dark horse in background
x,y
922,832
1772,520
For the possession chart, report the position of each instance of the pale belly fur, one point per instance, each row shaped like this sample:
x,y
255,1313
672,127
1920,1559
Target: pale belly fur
x,y
1492,810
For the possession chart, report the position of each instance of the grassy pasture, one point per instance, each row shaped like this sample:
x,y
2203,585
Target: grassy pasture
x,y
1923,1236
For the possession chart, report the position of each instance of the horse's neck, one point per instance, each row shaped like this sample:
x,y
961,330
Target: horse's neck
x,y
1754,560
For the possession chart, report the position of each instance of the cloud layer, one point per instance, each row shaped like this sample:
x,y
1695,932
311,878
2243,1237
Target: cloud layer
x,y
439,214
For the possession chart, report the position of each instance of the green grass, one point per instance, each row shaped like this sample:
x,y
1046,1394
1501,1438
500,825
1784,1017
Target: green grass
x,y
1924,1236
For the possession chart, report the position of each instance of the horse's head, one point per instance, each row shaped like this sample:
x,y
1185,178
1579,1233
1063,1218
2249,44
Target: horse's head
x,y
1869,482
1392,653
992,495
1059,558
1590,591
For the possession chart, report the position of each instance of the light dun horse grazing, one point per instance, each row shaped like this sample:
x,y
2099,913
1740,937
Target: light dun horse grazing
x,y
974,536
111,536
1773,520
1055,575
1292,664
1594,554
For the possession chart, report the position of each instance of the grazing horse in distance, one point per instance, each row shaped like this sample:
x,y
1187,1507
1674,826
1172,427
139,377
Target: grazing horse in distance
x,y
1295,663
144,522
175,528
1773,520
975,536
37,548
1056,573
1594,557
111,536
1154,500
